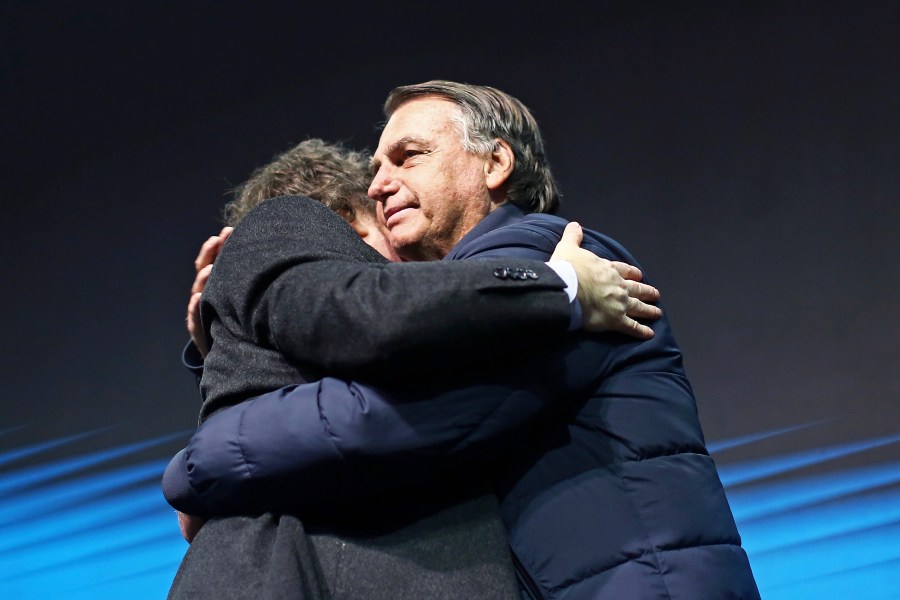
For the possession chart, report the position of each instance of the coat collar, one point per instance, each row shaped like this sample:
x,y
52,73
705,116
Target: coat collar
x,y
505,214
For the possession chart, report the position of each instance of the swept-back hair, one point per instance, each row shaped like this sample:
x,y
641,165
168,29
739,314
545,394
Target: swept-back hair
x,y
486,114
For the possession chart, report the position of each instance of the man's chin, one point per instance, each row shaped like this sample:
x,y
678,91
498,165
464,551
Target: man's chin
x,y
405,243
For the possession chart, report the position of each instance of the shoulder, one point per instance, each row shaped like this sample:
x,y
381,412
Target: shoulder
x,y
288,213
535,235
296,225
532,234
598,243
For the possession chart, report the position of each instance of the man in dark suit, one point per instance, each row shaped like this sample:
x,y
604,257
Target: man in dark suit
x,y
247,323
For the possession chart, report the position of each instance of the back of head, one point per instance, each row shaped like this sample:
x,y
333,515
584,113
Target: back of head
x,y
329,173
488,114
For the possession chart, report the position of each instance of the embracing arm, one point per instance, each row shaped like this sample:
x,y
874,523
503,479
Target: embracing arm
x,y
295,278
318,442
307,446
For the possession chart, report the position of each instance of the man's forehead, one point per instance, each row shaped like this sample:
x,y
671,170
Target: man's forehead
x,y
418,119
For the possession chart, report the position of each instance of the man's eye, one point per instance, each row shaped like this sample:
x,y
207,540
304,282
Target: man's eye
x,y
400,158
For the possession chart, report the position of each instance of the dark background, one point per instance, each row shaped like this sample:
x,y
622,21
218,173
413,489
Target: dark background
x,y
746,152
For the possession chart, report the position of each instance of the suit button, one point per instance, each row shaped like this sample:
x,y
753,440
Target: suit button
x,y
530,274
501,272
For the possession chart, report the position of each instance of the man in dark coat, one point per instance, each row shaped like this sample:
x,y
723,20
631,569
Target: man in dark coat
x,y
621,499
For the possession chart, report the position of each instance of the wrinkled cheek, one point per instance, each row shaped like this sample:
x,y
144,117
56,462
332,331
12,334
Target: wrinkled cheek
x,y
406,232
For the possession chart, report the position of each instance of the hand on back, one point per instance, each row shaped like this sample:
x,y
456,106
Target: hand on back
x,y
610,293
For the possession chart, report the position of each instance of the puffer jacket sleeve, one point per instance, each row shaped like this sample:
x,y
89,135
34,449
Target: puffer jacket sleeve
x,y
303,447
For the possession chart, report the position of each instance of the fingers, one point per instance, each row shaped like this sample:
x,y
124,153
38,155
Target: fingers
x,y
195,326
621,324
203,266
208,252
210,248
610,292
569,244
627,271
201,279
189,525
641,310
635,329
193,317
641,291
572,234
616,308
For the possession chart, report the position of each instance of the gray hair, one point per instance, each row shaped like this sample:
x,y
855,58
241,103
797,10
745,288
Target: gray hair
x,y
486,114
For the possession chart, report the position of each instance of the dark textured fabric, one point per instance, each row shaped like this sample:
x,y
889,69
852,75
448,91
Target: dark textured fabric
x,y
295,294
459,553
264,558
294,288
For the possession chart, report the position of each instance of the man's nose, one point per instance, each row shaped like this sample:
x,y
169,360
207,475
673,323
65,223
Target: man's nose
x,y
382,186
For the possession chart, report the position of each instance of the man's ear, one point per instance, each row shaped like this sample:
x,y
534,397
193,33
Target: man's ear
x,y
499,165
360,227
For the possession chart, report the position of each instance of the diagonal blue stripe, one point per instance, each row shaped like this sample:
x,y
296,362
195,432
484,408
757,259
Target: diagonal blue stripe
x,y
119,545
761,500
93,518
114,572
821,521
44,501
835,556
873,582
758,437
153,582
739,473
14,455
10,429
17,480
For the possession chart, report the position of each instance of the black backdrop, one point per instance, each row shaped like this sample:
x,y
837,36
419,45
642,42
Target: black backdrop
x,y
746,152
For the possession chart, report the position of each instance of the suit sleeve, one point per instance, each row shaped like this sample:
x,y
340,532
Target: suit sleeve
x,y
306,446
303,446
315,293
192,361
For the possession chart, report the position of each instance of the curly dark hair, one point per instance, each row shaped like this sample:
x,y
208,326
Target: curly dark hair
x,y
330,173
